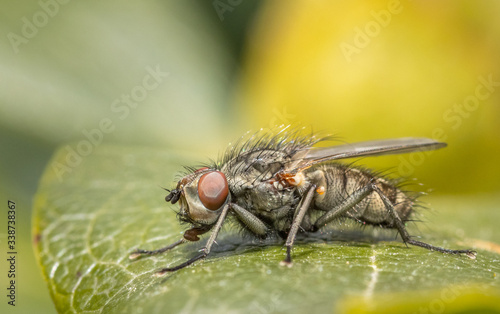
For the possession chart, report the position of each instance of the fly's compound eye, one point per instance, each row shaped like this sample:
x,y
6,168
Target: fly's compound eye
x,y
213,190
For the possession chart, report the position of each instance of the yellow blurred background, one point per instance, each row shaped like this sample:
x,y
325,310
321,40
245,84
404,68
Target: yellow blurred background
x,y
359,70
380,69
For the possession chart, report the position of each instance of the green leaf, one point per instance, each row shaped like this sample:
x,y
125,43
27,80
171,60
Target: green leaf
x,y
88,219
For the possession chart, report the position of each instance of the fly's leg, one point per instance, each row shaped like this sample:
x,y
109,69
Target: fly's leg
x,y
204,251
406,237
138,253
297,220
363,192
250,220
190,235
351,201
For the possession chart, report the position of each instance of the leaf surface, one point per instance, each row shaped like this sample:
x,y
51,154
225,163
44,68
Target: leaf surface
x,y
88,220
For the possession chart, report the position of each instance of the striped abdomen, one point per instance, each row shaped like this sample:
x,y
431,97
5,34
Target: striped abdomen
x,y
341,181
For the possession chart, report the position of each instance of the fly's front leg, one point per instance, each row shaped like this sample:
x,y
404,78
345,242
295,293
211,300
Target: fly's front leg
x,y
297,220
204,251
406,237
190,235
138,253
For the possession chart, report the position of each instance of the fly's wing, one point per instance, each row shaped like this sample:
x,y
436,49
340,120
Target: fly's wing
x,y
306,158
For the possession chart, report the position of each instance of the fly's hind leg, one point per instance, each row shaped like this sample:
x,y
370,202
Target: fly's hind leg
x,y
338,211
363,192
406,237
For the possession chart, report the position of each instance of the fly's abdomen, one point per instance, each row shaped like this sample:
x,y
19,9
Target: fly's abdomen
x,y
342,181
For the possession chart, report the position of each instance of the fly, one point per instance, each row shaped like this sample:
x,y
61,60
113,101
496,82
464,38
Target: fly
x,y
280,184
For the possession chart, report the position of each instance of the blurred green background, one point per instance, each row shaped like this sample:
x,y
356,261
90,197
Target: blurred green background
x,y
359,70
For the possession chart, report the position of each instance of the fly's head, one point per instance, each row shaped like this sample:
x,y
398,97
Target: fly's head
x,y
201,195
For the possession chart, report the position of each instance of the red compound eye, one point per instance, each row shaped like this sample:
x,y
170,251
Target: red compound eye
x,y
213,189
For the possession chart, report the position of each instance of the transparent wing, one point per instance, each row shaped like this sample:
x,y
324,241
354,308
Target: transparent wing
x,y
307,158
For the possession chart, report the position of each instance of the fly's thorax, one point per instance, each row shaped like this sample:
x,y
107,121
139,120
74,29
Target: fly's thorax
x,y
247,170
203,194
251,181
271,197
